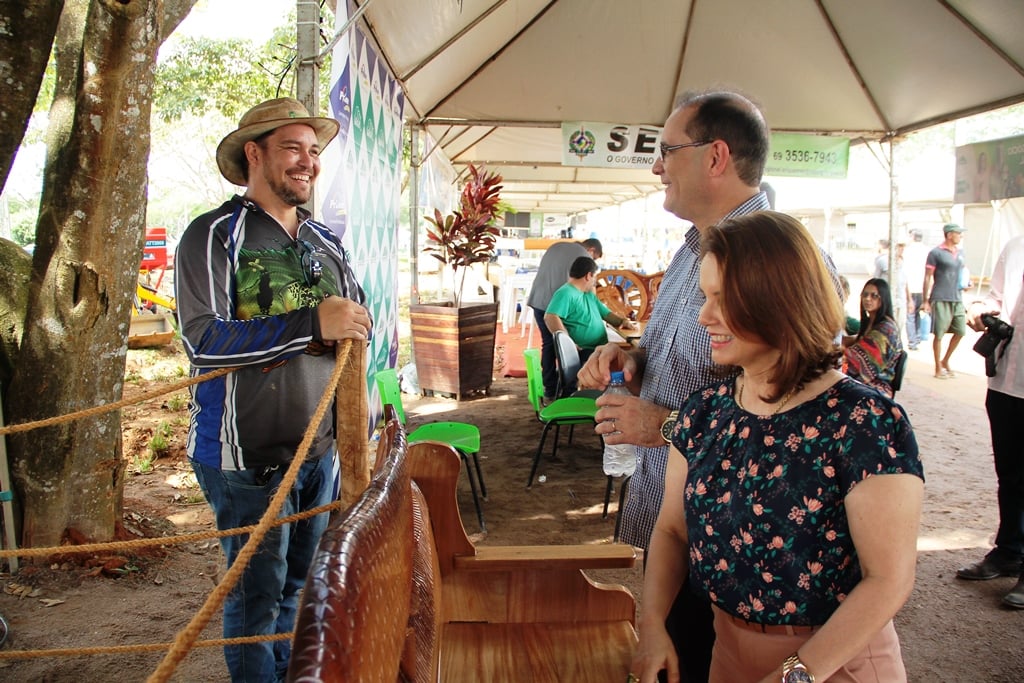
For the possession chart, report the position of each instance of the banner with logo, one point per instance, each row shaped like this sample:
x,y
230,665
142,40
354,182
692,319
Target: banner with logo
x,y
362,172
609,145
619,145
989,170
808,156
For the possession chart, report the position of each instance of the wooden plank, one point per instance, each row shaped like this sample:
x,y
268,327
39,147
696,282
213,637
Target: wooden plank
x,y
512,653
351,424
510,558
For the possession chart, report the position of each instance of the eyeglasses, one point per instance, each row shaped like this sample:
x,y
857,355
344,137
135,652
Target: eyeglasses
x,y
870,295
312,269
665,149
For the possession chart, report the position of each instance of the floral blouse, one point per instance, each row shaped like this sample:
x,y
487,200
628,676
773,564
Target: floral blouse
x,y
769,538
872,358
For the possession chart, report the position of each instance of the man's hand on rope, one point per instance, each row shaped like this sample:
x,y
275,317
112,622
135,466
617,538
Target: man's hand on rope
x,y
342,318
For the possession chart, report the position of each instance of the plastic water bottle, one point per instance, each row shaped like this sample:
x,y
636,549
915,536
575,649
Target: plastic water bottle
x,y
619,459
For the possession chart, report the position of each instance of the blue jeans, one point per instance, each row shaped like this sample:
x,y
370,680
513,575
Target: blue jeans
x,y
548,368
266,598
914,322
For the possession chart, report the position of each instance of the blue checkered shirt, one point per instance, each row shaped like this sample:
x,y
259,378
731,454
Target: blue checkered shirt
x,y
678,363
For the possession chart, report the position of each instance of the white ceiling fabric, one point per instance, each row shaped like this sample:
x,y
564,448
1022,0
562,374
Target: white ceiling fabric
x,y
492,80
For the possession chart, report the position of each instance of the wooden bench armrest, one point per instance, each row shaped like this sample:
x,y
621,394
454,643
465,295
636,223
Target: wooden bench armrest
x,y
525,557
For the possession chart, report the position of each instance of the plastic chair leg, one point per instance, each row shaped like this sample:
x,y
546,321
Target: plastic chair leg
x,y
608,495
540,449
618,515
554,449
479,477
472,488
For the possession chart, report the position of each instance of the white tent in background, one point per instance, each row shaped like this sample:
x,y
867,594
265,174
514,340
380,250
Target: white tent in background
x,y
492,80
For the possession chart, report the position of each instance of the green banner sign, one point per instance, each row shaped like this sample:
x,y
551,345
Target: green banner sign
x,y
990,170
808,156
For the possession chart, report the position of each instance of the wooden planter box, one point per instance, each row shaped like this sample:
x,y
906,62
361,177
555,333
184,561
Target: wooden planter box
x,y
453,348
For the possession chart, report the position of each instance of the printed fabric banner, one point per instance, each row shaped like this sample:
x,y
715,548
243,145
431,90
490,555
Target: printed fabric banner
x,y
362,174
989,170
808,156
609,145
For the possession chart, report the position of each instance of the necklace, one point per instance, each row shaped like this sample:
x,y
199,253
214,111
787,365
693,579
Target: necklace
x,y
782,402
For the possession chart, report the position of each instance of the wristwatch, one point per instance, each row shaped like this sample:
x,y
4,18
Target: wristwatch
x,y
668,425
794,671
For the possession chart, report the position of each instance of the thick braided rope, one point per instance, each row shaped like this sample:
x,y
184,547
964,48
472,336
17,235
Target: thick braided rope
x,y
164,540
190,634
107,407
128,649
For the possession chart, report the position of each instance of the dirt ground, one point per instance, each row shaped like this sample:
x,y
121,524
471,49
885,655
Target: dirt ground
x,y
950,630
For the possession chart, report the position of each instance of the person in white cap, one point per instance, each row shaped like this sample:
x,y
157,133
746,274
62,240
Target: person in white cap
x,y
264,289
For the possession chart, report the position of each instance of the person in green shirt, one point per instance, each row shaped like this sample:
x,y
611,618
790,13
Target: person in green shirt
x,y
575,309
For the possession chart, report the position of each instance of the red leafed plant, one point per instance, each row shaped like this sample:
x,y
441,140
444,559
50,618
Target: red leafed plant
x,y
467,235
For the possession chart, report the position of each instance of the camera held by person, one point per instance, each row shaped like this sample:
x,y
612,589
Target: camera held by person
x,y
997,333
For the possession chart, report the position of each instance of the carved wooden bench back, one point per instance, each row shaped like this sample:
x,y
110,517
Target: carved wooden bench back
x,y
369,609
398,592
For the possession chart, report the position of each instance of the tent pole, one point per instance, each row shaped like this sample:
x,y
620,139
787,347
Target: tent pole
x,y
307,74
414,212
894,214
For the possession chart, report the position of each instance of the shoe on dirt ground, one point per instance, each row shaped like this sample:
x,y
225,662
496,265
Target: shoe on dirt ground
x,y
991,568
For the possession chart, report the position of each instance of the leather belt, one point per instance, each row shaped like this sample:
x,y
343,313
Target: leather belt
x,y
775,629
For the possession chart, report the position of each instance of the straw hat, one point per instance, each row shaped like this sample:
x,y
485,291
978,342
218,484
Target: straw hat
x,y
263,118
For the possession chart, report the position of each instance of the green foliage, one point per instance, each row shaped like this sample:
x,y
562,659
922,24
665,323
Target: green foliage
x,y
204,74
467,235
229,76
23,214
177,402
159,444
142,464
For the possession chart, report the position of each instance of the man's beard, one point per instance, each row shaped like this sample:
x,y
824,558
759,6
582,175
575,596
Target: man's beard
x,y
283,191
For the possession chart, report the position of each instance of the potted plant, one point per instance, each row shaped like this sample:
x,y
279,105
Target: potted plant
x,y
453,345
467,235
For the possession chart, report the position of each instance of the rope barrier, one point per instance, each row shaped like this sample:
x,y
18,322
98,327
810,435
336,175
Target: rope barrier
x,y
86,548
128,649
188,636
108,407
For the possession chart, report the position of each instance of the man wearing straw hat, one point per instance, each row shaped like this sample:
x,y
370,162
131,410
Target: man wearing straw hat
x,y
263,288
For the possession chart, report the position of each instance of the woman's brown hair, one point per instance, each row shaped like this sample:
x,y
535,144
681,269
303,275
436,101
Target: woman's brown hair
x,y
775,287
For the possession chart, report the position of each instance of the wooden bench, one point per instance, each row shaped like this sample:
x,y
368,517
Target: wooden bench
x,y
399,593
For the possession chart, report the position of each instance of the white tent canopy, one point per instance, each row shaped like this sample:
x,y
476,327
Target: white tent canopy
x,y
492,80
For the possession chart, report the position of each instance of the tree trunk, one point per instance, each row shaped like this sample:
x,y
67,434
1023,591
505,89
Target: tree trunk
x,y
28,28
89,242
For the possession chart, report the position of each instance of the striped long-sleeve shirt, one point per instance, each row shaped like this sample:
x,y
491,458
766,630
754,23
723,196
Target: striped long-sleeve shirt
x,y
246,298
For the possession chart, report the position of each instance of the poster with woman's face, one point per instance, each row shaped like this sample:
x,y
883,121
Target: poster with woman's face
x,y
989,170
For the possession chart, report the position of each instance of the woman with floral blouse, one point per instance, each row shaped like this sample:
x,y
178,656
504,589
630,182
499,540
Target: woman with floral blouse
x,y
793,493
871,356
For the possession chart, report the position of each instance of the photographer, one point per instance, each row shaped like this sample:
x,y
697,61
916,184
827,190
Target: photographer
x,y
1004,404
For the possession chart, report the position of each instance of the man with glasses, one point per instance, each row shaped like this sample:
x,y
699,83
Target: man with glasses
x,y
264,289
713,151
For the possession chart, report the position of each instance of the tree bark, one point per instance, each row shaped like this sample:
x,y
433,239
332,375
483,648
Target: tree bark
x,y
28,27
89,240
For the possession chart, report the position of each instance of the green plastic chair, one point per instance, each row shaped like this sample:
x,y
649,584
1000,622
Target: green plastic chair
x,y
579,408
463,437
571,411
